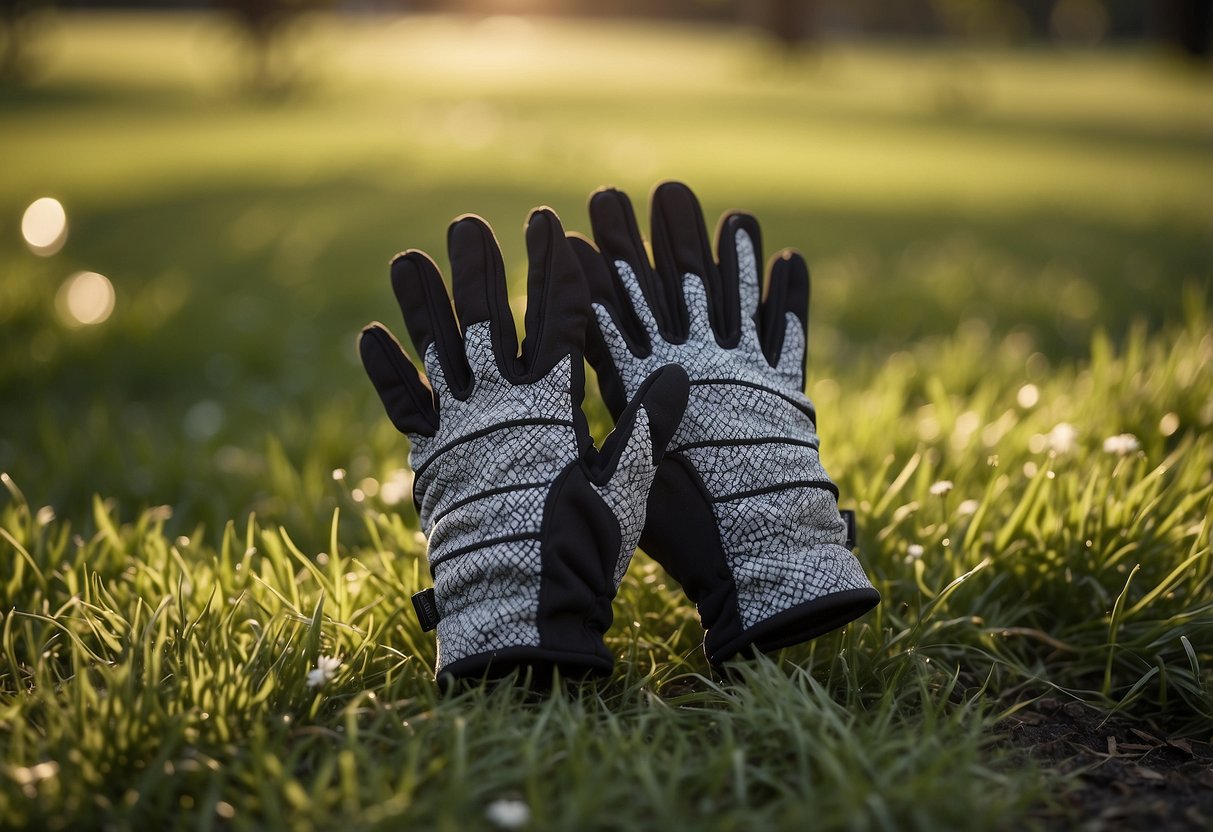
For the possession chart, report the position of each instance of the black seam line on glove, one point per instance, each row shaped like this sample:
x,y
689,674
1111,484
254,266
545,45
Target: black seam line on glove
x,y
756,440
492,492
807,410
477,434
483,544
824,485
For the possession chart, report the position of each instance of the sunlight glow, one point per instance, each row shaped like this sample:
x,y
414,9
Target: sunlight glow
x,y
85,299
44,226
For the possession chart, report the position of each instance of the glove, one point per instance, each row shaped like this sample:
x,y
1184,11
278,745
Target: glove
x,y
741,513
530,528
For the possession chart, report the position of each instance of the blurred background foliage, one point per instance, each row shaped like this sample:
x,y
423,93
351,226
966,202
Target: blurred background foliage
x,y
235,177
1186,26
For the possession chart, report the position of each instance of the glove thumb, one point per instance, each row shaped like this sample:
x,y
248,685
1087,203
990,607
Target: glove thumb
x,y
622,472
641,433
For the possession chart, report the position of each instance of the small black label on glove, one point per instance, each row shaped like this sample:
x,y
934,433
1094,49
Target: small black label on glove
x,y
427,609
848,517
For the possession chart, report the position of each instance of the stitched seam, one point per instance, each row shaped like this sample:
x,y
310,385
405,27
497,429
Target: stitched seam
x,y
757,440
484,544
807,410
492,492
823,485
515,423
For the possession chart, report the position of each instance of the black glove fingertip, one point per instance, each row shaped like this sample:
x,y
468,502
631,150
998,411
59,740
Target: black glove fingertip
x,y
558,299
788,292
409,402
428,316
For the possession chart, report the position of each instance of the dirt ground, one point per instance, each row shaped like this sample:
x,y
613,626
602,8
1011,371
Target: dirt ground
x,y
1130,775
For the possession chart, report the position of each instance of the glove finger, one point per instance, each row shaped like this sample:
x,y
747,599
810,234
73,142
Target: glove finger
x,y
478,280
558,299
623,471
618,238
406,397
791,364
619,293
788,295
427,315
739,252
699,325
680,247
616,338
659,403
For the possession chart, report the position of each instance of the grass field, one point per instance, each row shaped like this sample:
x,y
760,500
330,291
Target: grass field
x,y
1001,243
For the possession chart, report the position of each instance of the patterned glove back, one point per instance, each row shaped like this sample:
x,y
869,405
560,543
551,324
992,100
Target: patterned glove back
x,y
530,528
742,513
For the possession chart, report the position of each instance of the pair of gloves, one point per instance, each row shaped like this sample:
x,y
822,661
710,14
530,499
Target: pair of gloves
x,y
712,466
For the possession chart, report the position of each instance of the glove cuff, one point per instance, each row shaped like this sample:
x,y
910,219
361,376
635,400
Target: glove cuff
x,y
760,601
541,663
470,649
543,602
794,625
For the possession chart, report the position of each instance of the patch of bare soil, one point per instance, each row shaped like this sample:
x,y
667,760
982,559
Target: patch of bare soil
x,y
1130,775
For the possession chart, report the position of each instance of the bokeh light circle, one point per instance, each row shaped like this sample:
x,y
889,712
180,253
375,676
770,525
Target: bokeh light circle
x,y
44,226
85,299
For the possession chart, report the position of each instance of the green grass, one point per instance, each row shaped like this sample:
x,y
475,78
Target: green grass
x,y
1000,242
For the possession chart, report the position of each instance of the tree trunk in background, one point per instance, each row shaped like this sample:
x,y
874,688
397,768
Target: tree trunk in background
x,y
790,22
1186,25
15,30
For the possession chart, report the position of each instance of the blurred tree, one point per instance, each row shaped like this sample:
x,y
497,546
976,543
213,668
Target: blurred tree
x,y
1081,22
791,22
17,19
264,23
999,21
1187,25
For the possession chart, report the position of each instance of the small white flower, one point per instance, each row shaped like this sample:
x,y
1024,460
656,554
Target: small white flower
x,y
914,551
326,669
1062,438
967,507
338,474
940,488
1125,443
45,516
508,814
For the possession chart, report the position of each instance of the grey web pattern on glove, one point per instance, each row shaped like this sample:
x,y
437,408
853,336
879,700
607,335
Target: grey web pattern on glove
x,y
482,488
488,596
489,600
784,546
633,475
